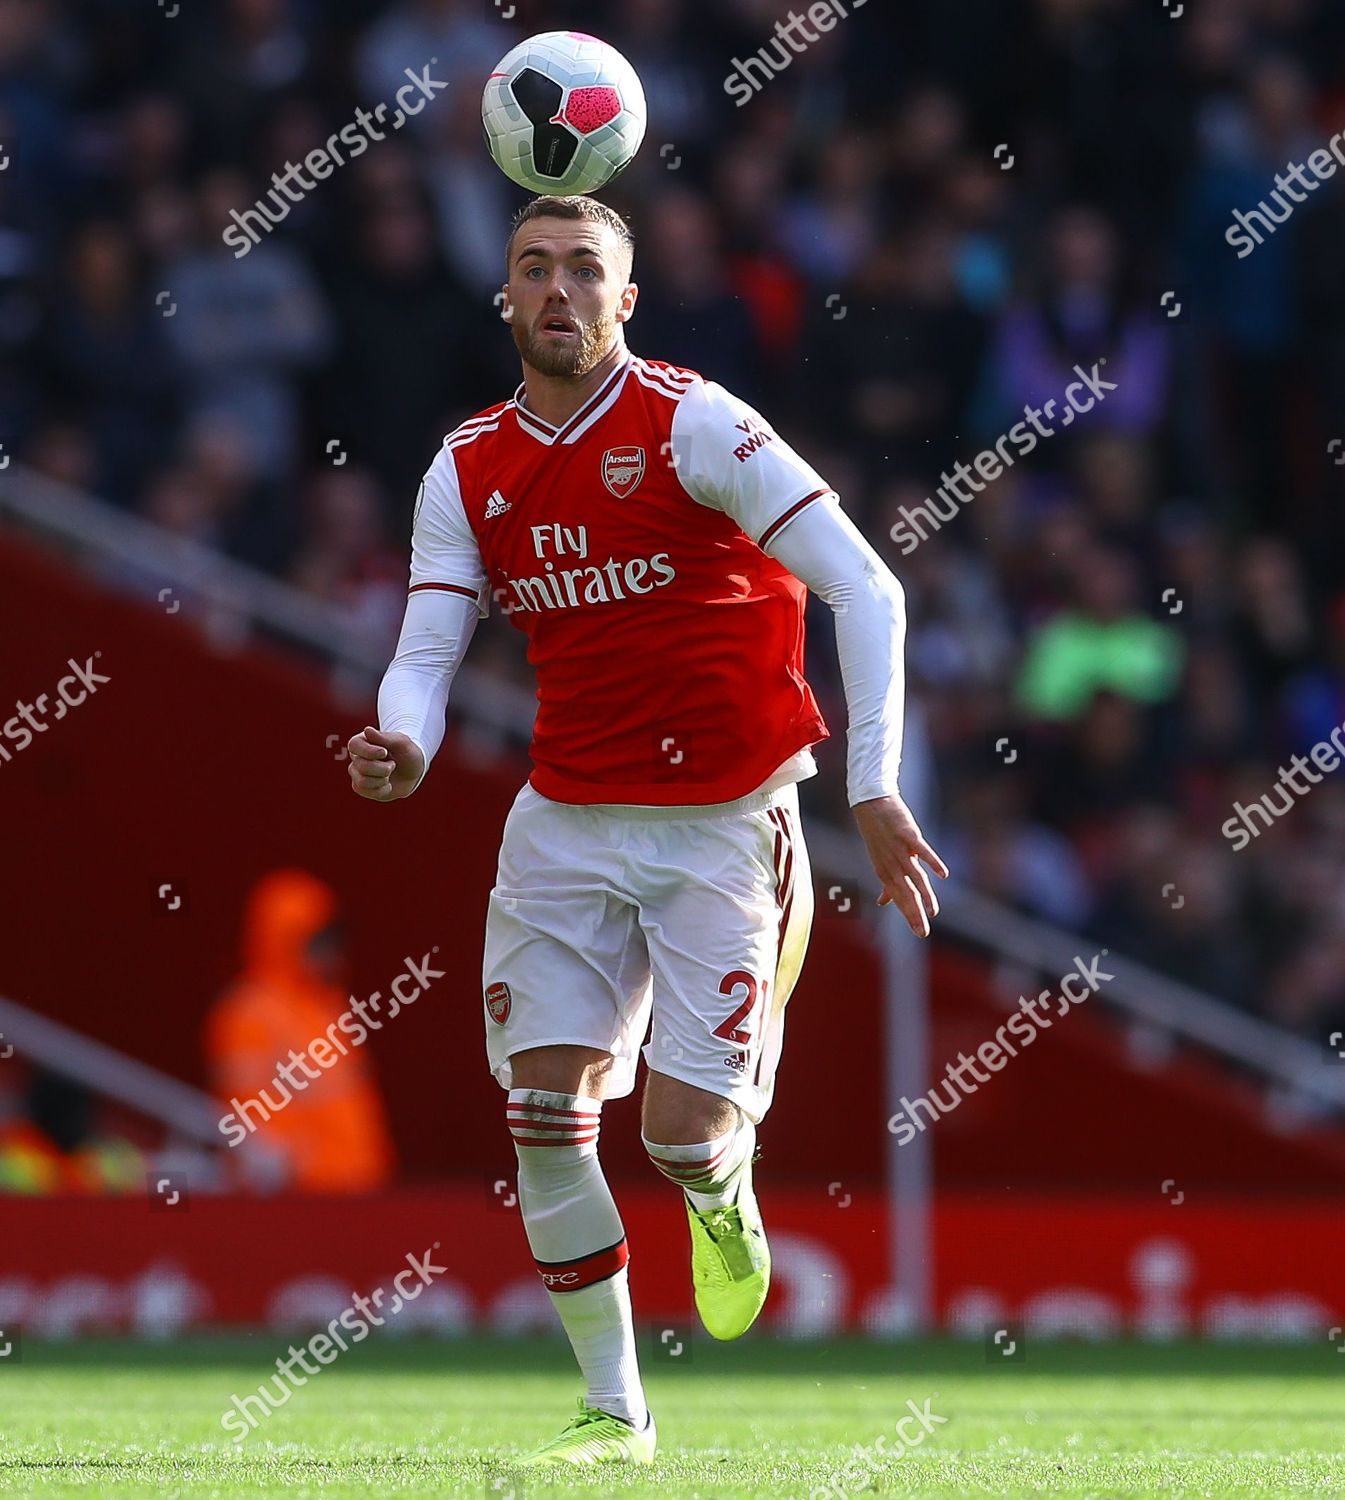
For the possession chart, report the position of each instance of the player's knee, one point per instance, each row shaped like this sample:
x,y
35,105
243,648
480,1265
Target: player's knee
x,y
679,1114
552,1127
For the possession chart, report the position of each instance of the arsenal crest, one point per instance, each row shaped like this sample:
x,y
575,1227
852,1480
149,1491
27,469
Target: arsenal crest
x,y
499,1002
622,470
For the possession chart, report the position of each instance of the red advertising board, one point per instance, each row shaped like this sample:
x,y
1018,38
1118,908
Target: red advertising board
x,y
1086,1267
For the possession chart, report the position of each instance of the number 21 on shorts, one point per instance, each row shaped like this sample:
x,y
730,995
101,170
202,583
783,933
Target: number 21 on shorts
x,y
737,1027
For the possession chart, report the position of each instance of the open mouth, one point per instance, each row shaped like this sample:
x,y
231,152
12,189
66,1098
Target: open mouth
x,y
559,326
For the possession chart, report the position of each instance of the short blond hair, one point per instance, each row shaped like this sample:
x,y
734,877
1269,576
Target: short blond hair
x,y
576,207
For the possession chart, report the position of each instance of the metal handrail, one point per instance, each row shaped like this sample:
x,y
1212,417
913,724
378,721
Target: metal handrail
x,y
188,1111
1165,1004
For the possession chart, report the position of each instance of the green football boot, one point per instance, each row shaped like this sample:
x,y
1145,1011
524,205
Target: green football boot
x,y
730,1262
596,1437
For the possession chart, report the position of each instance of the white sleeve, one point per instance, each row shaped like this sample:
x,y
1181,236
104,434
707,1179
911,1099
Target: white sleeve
x,y
447,597
444,553
436,630
728,458
825,549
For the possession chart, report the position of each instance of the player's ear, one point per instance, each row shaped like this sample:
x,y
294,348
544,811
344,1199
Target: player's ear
x,y
506,307
626,307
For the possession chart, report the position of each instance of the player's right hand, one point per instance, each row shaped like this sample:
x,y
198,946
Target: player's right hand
x,y
384,767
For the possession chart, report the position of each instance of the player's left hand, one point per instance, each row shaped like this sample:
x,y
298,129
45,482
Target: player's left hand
x,y
896,846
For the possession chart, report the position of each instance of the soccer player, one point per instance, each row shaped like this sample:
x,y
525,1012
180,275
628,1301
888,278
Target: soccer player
x,y
654,539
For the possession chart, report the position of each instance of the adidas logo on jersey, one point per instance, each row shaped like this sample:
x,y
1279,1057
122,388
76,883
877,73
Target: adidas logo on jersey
x,y
496,505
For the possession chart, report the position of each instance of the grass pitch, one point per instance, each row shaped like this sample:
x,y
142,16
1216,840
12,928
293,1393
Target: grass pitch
x,y
757,1418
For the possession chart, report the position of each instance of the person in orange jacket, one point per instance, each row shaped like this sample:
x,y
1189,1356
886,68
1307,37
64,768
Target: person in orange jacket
x,y
327,1124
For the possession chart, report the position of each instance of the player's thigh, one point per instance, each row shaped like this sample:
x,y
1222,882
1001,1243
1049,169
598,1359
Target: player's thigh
x,y
563,1070
726,943
565,964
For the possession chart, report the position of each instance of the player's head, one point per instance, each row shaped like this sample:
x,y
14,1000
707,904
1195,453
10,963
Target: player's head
x,y
569,287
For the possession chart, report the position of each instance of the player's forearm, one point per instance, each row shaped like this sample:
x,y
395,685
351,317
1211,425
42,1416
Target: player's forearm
x,y
825,550
414,692
870,642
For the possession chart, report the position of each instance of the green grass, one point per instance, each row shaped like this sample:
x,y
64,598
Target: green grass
x,y
755,1418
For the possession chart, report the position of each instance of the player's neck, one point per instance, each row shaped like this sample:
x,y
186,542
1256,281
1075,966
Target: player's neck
x,y
556,398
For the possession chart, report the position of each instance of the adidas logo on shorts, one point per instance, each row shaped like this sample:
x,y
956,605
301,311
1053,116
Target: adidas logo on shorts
x,y
496,505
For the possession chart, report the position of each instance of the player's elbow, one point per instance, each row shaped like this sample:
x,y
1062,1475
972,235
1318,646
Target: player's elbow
x,y
885,589
893,590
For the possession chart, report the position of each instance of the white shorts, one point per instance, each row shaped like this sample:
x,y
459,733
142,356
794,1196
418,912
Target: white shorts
x,y
599,918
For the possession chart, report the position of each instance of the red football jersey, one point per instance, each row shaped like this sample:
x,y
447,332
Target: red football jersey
x,y
627,545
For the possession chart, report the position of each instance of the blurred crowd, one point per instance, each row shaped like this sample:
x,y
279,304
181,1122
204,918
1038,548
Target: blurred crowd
x,y
915,231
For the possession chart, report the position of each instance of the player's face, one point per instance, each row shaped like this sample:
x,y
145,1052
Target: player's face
x,y
567,292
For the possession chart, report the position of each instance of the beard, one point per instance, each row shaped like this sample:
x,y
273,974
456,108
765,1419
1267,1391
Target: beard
x,y
573,359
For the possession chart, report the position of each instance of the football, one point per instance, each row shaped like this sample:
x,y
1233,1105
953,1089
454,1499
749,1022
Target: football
x,y
563,113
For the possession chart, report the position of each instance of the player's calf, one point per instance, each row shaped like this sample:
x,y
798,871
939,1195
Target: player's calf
x,y
578,1242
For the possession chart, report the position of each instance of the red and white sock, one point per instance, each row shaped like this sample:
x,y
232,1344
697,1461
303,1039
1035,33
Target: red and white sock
x,y
578,1242
708,1172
